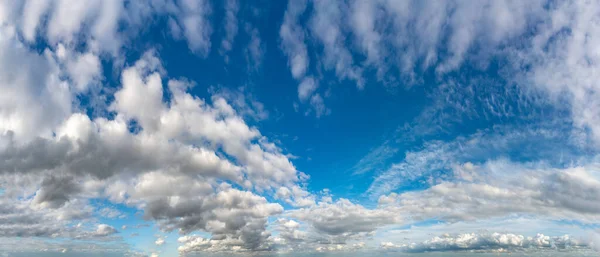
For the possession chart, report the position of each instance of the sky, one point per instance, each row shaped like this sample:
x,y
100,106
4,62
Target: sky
x,y
299,128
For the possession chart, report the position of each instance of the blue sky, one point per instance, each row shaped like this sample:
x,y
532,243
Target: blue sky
x,y
300,128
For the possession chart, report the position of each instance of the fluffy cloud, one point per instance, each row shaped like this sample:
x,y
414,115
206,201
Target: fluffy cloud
x,y
167,166
160,241
340,225
193,24
344,217
29,78
55,191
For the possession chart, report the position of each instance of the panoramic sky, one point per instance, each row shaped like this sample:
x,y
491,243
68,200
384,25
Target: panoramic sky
x,y
299,128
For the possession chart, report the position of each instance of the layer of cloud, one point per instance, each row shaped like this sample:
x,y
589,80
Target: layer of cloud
x,y
491,190
498,242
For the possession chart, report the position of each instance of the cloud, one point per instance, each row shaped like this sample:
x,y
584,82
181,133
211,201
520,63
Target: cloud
x,y
562,60
375,159
193,18
343,219
536,190
292,36
595,242
112,213
231,25
306,88
30,78
256,49
105,230
499,242
243,101
542,44
196,165
166,167
292,39
435,159
160,241
55,191
326,26
103,26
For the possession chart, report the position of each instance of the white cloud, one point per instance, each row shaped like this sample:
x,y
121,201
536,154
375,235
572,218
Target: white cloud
x,y
500,242
193,17
105,25
256,49
375,159
28,79
343,219
431,163
326,25
193,164
32,14
231,25
318,106
563,63
292,38
525,190
168,168
243,101
105,230
306,88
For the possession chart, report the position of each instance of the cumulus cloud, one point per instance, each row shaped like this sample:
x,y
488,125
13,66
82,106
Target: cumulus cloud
x,y
55,191
104,230
168,168
340,221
